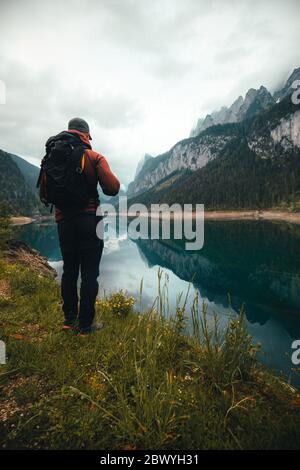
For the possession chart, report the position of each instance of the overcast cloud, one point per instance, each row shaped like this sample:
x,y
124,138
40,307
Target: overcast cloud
x,y
140,72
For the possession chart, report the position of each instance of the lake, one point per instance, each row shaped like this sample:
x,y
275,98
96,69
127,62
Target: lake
x,y
252,263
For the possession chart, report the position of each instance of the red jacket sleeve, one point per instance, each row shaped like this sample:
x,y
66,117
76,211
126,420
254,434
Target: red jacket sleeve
x,y
108,181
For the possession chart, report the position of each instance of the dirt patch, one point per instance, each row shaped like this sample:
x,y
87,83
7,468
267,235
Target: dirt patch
x,y
5,292
30,332
9,406
18,251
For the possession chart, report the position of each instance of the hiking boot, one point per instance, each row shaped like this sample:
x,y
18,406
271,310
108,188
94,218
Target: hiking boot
x,y
94,327
70,326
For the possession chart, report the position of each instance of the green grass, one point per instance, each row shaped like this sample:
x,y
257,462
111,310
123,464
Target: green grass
x,y
141,382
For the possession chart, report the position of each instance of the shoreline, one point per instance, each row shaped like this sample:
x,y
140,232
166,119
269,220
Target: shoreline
x,y
292,217
24,220
283,216
21,220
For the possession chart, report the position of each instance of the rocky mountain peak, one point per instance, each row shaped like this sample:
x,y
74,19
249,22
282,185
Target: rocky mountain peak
x,y
287,89
235,107
141,163
255,101
191,155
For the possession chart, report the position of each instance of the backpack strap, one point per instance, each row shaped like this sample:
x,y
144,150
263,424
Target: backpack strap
x,y
69,137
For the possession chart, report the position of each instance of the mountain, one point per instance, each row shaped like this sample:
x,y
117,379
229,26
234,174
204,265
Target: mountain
x,y
29,171
140,164
16,192
225,115
251,162
140,169
255,101
287,89
189,154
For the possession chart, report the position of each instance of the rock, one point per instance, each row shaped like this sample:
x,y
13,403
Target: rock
x,y
287,133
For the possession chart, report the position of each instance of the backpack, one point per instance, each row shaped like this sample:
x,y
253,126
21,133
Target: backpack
x,y
62,181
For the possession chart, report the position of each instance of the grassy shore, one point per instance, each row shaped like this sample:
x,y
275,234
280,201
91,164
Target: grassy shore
x,y
141,382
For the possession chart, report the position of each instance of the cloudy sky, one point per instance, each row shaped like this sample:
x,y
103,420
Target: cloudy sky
x,y
140,72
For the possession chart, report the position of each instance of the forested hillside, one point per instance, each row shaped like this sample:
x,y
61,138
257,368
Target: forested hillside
x,y
15,192
29,171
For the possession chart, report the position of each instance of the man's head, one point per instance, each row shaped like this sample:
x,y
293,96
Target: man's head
x,y
78,124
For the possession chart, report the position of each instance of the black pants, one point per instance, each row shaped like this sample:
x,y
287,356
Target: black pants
x,y
81,251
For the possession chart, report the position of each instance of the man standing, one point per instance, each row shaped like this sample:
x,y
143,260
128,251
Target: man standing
x,y
81,248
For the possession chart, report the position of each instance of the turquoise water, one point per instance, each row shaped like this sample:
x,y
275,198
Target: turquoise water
x,y
257,263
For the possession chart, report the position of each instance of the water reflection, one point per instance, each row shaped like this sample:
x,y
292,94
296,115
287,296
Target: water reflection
x,y
256,262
